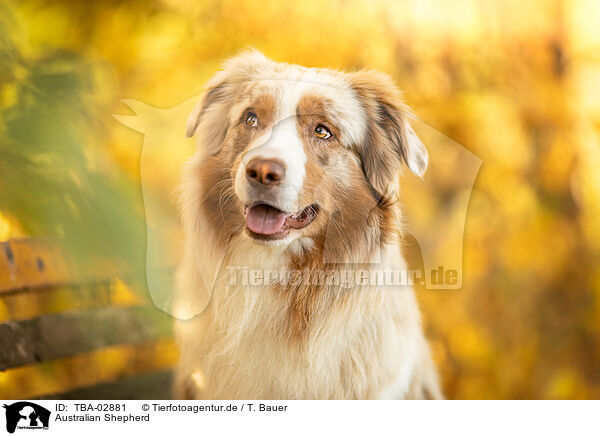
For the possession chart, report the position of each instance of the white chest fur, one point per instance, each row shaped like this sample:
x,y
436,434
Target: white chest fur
x,y
241,346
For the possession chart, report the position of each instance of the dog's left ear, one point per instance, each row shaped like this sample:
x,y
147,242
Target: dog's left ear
x,y
390,140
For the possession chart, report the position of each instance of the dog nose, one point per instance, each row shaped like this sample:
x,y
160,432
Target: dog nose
x,y
265,171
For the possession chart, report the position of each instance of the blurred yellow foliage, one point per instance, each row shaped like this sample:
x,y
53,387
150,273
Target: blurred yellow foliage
x,y
516,82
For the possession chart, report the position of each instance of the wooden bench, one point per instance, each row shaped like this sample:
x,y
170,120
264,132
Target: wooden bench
x,y
74,338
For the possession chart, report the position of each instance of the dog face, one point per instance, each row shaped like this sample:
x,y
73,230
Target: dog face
x,y
292,154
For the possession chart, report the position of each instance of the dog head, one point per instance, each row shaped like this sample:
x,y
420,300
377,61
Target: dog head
x,y
294,155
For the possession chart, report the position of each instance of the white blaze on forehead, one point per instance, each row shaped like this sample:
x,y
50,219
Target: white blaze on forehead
x,y
345,109
290,85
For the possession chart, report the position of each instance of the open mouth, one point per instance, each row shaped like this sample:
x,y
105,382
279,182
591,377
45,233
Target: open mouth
x,y
267,222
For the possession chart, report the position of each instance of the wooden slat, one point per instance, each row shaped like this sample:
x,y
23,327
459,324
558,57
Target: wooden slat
x,y
29,263
17,306
58,335
148,386
34,263
85,370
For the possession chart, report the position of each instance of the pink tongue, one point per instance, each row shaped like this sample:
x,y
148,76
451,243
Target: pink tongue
x,y
264,219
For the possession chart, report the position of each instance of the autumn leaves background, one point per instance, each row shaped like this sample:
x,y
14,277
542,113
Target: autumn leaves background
x,y
515,82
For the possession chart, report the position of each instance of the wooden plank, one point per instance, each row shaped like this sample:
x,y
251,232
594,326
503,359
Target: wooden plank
x,y
35,263
58,335
82,370
30,263
17,306
148,386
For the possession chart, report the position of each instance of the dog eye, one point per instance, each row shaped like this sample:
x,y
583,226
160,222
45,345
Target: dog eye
x,y
251,119
322,132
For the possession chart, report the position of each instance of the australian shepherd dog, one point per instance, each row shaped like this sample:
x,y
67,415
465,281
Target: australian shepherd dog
x,y
295,183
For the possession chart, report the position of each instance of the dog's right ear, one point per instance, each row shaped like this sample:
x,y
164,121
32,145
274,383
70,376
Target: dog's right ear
x,y
210,118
